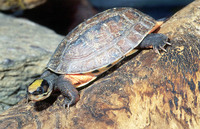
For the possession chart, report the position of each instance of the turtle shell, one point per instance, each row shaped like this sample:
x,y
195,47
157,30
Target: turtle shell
x,y
101,41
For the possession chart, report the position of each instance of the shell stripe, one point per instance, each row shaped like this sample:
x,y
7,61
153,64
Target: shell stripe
x,y
95,71
105,68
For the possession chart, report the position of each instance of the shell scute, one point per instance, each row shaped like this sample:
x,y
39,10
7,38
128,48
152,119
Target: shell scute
x,y
101,40
124,45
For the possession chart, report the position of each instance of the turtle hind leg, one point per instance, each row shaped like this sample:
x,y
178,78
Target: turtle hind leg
x,y
156,41
71,95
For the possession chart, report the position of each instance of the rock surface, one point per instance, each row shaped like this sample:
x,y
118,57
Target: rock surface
x,y
19,4
25,48
148,91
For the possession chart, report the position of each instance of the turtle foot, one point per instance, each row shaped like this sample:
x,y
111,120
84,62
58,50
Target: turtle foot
x,y
160,46
70,93
156,41
69,102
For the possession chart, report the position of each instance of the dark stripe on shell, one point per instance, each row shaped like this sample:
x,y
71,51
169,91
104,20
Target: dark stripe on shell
x,y
108,66
95,71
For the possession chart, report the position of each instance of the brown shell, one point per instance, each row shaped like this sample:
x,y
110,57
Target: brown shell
x,y
100,41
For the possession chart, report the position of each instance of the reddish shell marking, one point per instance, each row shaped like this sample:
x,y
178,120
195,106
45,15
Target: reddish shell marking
x,y
156,27
79,79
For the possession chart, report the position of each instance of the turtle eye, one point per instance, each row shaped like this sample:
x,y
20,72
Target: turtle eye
x,y
42,89
38,91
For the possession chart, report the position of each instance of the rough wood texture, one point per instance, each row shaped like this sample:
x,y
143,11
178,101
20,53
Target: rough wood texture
x,y
148,91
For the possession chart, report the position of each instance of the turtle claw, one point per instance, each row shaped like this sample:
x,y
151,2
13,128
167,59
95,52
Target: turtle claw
x,y
66,105
168,43
68,110
162,48
156,50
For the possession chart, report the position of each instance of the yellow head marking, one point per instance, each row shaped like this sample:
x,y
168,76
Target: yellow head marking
x,y
33,87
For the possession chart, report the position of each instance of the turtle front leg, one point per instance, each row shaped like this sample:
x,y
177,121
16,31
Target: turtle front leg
x,y
69,92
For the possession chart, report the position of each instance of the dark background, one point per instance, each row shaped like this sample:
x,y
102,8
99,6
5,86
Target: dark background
x,y
63,15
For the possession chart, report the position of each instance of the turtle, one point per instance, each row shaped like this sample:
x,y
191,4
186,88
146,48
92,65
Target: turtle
x,y
93,47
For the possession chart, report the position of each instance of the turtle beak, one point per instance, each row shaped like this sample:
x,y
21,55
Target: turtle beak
x,y
33,97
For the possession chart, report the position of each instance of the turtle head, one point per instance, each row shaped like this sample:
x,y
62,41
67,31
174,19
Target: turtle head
x,y
40,89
